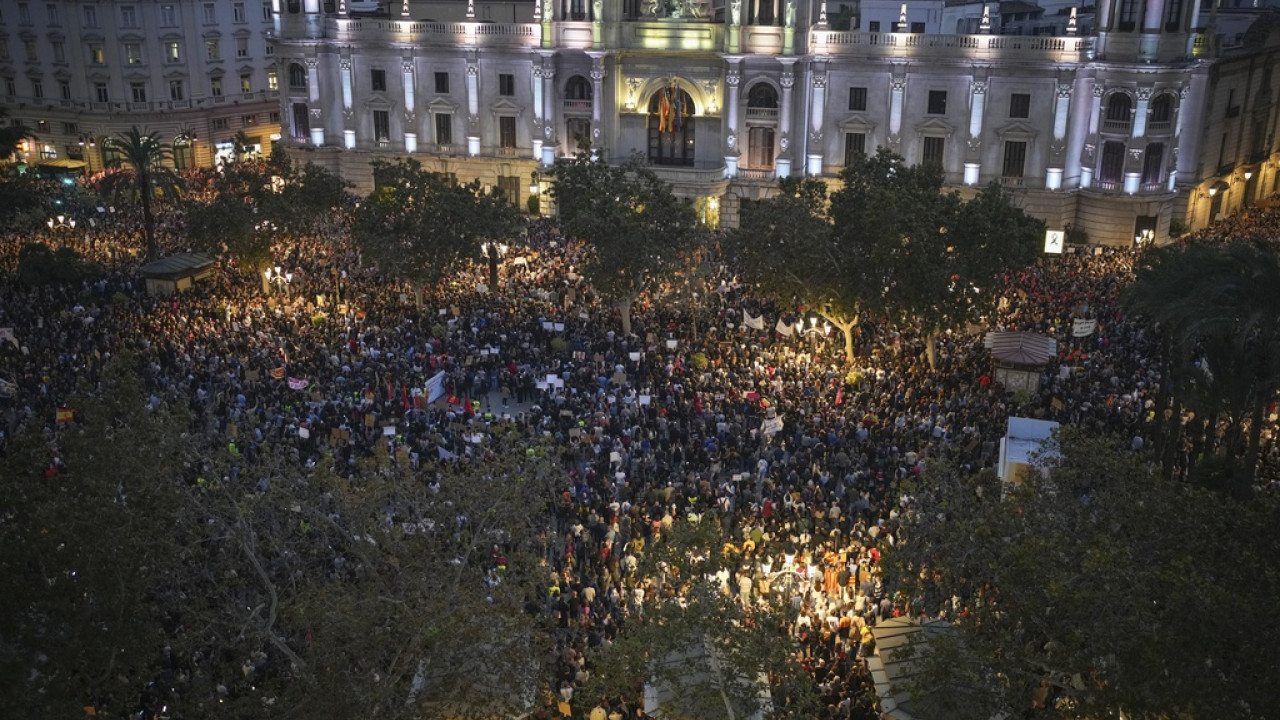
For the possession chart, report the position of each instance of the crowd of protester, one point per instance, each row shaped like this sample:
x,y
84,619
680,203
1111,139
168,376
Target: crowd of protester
x,y
799,457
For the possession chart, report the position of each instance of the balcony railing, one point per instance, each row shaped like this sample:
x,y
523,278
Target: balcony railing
x,y
434,33
756,113
1153,187
578,105
1063,49
1106,185
1116,126
1161,126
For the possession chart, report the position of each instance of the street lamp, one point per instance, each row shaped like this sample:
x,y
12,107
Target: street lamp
x,y
61,223
1146,237
280,278
87,143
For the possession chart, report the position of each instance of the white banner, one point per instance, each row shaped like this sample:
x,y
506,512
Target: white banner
x,y
783,329
752,322
435,387
1083,328
771,426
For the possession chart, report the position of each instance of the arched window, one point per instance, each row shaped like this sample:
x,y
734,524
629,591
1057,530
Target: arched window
x,y
1162,110
1119,113
297,77
671,127
762,95
577,89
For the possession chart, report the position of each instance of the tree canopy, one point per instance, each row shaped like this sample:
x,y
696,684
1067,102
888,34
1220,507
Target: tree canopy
x,y
422,227
142,173
247,205
635,227
1094,587
1220,317
889,244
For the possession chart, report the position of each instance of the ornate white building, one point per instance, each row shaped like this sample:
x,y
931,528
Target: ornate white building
x,y
1122,121
195,71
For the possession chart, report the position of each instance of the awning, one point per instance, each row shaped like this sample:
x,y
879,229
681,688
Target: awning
x,y
177,265
1021,348
65,163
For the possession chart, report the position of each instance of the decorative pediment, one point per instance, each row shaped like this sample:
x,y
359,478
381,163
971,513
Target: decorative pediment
x,y
377,102
211,34
56,37
170,35
935,127
178,73
136,75
97,74
857,123
440,105
93,37
62,74
216,73
506,107
245,69
242,33
1016,130
131,37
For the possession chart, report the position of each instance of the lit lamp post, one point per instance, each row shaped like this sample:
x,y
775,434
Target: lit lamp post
x,y
279,278
535,189
1146,237
62,222
87,145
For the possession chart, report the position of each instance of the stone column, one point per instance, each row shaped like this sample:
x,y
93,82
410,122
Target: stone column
x,y
410,106
1057,146
817,108
538,119
597,97
549,111
473,107
782,167
977,104
732,79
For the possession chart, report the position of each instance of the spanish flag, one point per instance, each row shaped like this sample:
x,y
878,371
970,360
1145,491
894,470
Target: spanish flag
x,y
278,373
65,415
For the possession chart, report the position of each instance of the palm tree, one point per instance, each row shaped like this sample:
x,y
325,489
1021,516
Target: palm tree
x,y
11,135
139,173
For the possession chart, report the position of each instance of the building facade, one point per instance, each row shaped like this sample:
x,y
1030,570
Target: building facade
x,y
1117,123
196,71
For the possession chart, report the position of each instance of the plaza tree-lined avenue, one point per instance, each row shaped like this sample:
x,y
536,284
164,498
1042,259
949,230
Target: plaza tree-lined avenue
x,y
483,486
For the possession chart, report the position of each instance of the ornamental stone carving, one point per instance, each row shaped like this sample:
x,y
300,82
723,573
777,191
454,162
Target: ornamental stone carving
x,y
345,64
1144,93
406,66
787,80
819,81
473,70
978,87
733,78
1099,90
731,141
1064,91
312,63
898,84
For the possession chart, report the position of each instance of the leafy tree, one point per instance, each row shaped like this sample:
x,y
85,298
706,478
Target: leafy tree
x,y
635,227
1218,309
422,228
87,546
141,173
11,135
1095,587
786,244
702,649
38,264
248,205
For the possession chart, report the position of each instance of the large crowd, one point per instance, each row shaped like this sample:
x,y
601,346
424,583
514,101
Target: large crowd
x,y
800,458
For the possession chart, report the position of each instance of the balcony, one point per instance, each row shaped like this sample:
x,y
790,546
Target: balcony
x,y
762,114
693,181
517,35
577,105
755,175
1161,127
931,45
1116,126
